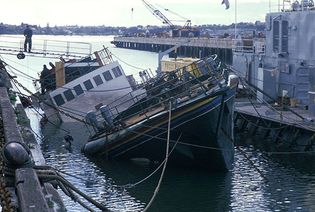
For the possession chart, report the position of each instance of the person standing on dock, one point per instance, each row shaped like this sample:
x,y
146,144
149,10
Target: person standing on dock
x,y
28,33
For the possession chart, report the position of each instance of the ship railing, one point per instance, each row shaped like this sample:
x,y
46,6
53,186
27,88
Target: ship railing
x,y
45,47
157,103
291,5
104,56
168,89
132,97
255,46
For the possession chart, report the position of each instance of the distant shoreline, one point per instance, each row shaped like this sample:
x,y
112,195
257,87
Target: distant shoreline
x,y
6,29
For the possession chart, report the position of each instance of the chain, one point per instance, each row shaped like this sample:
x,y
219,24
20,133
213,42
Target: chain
x,y
5,195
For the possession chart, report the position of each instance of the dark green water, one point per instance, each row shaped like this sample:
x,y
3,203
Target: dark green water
x,y
288,183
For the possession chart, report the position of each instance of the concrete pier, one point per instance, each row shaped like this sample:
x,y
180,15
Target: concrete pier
x,y
189,47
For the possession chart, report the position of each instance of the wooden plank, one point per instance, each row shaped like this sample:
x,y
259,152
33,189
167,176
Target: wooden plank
x,y
29,190
60,74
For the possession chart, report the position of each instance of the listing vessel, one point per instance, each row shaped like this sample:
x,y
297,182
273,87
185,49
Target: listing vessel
x,y
196,101
72,88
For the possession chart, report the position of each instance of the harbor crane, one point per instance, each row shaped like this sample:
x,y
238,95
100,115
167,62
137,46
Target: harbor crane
x,y
157,13
185,31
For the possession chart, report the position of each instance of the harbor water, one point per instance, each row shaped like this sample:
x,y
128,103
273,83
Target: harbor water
x,y
259,181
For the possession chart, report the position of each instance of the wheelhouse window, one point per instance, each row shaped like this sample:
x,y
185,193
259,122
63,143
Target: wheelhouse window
x,y
68,94
78,89
98,80
117,71
88,85
59,99
107,75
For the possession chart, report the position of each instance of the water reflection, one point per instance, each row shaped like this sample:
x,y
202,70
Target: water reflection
x,y
289,186
89,178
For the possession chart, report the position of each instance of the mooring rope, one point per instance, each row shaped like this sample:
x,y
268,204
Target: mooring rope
x,y
166,159
131,185
68,185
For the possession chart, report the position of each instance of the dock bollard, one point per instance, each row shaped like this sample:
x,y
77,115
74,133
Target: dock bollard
x,y
16,154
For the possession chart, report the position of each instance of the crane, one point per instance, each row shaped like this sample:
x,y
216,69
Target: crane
x,y
187,24
185,31
157,13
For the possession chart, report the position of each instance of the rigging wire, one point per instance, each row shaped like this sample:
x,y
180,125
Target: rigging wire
x,y
128,64
158,138
97,91
20,64
131,185
263,127
26,75
294,122
43,116
20,75
261,118
271,107
50,105
27,128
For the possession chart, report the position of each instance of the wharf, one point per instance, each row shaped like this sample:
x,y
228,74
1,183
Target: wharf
x,y
188,47
289,129
193,46
20,186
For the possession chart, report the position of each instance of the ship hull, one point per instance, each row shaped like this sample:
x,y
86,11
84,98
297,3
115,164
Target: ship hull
x,y
201,136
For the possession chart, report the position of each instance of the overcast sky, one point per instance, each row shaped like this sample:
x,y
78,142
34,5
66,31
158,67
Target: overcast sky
x,y
129,12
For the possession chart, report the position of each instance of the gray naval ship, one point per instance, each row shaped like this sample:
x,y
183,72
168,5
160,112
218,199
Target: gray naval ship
x,y
281,66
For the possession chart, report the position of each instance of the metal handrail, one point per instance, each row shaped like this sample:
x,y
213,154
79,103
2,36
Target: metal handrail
x,y
46,46
160,100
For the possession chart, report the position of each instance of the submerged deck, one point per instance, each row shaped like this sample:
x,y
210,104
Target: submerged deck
x,y
276,130
279,115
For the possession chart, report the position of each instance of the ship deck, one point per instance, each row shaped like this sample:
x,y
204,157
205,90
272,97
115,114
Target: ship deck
x,y
291,116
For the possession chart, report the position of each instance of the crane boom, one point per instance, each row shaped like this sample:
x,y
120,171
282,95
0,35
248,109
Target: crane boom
x,y
157,13
187,21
